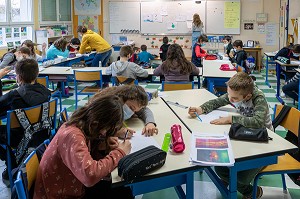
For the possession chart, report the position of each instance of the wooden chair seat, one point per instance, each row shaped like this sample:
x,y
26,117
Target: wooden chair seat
x,y
285,163
90,89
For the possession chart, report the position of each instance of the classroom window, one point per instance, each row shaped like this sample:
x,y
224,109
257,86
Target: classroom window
x,y
21,11
56,11
2,10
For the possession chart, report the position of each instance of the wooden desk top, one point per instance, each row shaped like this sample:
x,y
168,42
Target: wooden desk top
x,y
164,119
252,48
211,68
286,65
241,149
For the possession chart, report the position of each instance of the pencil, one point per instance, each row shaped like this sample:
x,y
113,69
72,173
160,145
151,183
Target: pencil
x,y
125,125
198,116
125,135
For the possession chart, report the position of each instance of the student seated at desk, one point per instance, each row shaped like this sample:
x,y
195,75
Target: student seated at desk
x,y
198,53
227,45
253,107
164,49
144,56
135,101
124,67
83,153
176,67
238,56
10,58
58,48
29,44
134,56
291,88
28,94
289,52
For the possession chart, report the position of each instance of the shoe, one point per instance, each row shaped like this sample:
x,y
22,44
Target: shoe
x,y
282,94
5,178
259,193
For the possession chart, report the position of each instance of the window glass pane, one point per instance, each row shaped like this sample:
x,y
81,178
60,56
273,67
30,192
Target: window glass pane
x,y
21,11
49,10
2,10
65,10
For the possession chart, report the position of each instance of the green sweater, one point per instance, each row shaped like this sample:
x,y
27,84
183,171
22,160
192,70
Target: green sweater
x,y
254,112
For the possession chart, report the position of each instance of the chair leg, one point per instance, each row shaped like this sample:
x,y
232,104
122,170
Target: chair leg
x,y
9,169
283,184
255,182
60,103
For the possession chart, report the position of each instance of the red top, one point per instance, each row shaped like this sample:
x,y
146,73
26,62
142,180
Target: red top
x,y
67,166
200,52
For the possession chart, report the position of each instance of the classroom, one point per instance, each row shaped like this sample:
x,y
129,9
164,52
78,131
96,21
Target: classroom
x,y
150,99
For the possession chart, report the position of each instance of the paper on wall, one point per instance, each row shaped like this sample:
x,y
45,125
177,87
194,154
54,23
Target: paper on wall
x,y
163,11
180,18
148,18
172,25
157,18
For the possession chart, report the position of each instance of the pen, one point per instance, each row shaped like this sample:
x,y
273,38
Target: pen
x,y
125,135
198,116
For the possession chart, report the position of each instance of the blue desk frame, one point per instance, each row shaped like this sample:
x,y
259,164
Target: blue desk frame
x,y
212,81
269,60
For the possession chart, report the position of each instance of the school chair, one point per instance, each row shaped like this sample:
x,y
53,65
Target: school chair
x,y
121,80
45,82
35,117
63,117
87,76
27,173
172,86
286,163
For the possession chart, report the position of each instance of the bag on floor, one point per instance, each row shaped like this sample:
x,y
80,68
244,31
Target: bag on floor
x,y
141,162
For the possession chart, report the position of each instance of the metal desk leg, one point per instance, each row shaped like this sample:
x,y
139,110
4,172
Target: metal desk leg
x,y
210,85
233,183
267,72
278,71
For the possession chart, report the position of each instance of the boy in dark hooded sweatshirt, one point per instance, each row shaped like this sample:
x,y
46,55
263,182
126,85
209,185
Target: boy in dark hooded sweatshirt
x,y
29,93
125,68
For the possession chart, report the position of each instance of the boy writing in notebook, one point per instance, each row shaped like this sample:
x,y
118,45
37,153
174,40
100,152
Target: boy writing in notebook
x,y
254,113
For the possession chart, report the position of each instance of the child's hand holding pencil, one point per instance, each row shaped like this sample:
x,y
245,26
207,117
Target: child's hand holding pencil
x,y
195,111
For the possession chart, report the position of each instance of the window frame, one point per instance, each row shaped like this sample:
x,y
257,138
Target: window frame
x,y
9,21
57,22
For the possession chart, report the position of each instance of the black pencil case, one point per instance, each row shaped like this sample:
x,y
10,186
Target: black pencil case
x,y
141,162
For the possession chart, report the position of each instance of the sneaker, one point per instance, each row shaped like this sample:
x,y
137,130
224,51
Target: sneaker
x,y
282,94
5,178
259,193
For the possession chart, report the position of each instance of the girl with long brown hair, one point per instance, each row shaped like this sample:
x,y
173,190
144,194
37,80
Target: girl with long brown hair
x,y
176,67
84,152
197,28
58,48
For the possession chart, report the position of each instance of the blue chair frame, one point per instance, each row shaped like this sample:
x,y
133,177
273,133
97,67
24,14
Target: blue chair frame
x,y
8,127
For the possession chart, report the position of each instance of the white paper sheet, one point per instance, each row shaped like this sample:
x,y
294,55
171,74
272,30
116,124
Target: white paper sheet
x,y
295,62
139,141
216,114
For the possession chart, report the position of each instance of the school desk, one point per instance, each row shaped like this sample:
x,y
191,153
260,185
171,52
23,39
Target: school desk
x,y
298,70
87,58
177,169
278,72
213,74
247,155
269,60
257,51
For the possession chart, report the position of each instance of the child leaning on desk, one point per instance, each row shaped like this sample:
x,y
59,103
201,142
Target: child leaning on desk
x,y
252,105
125,68
135,101
238,55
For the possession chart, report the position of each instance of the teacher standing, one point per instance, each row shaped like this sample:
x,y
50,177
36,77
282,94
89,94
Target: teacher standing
x,y
197,28
94,41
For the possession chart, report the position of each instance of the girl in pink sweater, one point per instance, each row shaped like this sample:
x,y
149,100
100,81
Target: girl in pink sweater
x,y
83,152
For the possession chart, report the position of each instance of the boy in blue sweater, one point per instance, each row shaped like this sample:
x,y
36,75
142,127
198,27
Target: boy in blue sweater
x,y
144,56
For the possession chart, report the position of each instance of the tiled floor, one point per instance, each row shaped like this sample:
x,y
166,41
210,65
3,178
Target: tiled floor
x,y
204,188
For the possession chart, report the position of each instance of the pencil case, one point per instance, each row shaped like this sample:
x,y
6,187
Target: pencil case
x,y
141,163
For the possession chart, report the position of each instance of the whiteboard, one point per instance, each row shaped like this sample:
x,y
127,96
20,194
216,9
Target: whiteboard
x,y
172,17
222,21
124,16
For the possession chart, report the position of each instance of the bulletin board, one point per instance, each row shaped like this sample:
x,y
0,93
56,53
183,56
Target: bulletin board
x,y
124,16
223,17
173,17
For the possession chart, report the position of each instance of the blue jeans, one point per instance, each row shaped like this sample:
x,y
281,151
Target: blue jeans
x,y
195,36
103,57
292,89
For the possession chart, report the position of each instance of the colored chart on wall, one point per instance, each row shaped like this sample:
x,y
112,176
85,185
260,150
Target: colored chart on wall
x,y
91,7
91,22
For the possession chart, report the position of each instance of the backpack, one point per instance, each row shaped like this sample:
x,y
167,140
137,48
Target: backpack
x,y
291,137
35,134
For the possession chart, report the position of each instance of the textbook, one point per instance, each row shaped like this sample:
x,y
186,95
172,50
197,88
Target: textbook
x,y
209,149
